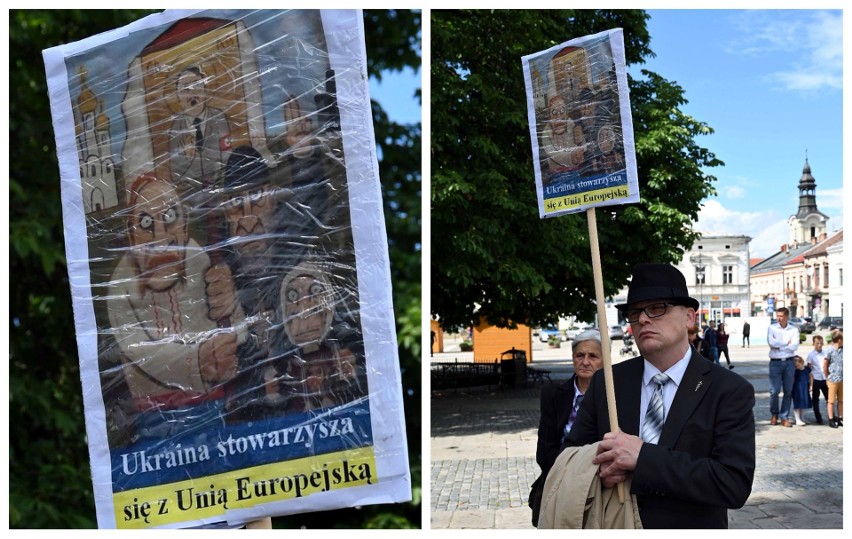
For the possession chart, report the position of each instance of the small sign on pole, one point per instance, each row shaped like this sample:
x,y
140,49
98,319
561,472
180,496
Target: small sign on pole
x,y
582,142
580,125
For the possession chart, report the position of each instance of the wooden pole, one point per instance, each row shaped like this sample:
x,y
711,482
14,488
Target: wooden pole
x,y
262,524
604,329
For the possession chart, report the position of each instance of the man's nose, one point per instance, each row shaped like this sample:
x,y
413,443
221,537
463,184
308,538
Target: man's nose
x,y
159,229
246,205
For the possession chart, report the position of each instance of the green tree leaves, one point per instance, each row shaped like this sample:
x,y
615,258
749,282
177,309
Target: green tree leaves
x,y
490,250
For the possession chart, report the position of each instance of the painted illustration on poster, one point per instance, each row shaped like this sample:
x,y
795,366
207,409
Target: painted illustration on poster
x,y
580,125
218,281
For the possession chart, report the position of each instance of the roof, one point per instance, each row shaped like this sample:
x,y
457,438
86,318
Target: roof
x,y
780,259
820,248
797,254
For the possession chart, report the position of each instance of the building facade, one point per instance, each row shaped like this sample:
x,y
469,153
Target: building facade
x,y
815,290
716,269
798,276
833,304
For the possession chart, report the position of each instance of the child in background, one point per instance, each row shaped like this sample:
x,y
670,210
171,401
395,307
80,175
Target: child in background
x,y
818,383
833,370
801,390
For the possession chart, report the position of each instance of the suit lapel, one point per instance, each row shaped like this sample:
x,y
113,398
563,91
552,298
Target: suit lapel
x,y
565,400
693,387
629,389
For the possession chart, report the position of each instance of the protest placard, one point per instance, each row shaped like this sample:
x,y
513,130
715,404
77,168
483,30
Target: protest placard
x,y
229,270
581,129
580,125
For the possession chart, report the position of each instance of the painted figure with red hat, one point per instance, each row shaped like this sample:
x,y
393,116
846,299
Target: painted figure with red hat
x,y
175,359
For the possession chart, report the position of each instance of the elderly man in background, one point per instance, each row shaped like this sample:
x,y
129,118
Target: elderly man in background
x,y
559,406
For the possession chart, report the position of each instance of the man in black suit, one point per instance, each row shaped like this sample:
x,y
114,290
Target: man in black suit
x,y
700,459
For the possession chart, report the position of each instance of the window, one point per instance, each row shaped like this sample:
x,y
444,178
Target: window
x,y
727,275
825,275
699,275
840,275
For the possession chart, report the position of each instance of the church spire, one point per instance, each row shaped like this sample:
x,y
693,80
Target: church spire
x,y
807,192
808,224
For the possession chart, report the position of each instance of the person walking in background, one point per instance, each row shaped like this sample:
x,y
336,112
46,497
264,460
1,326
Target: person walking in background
x,y
818,384
694,339
783,340
746,334
722,343
801,393
833,370
711,337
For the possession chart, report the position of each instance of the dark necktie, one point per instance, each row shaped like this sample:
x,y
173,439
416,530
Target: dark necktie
x,y
199,136
656,414
572,417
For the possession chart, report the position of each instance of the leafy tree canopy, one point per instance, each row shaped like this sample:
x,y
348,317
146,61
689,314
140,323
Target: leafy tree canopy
x,y
490,250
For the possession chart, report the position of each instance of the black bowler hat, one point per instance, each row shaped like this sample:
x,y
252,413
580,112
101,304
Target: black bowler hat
x,y
658,281
245,168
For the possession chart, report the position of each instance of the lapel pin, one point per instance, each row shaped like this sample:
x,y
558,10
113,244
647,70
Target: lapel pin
x,y
699,385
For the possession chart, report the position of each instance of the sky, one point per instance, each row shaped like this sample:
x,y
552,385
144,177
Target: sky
x,y
770,84
395,93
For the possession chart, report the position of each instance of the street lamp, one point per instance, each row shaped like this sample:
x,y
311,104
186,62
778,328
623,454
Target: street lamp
x,y
699,275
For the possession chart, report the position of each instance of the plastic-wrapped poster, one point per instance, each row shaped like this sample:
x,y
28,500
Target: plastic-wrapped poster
x,y
580,125
229,269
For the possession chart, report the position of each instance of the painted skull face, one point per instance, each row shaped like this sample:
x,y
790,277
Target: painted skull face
x,y
158,233
307,308
606,139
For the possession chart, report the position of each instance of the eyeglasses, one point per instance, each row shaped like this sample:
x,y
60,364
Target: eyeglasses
x,y
654,310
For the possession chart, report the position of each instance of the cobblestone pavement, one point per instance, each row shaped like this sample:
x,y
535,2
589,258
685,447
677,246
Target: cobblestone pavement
x,y
483,458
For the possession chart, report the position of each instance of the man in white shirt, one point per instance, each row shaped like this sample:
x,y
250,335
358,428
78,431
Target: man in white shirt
x,y
783,340
818,381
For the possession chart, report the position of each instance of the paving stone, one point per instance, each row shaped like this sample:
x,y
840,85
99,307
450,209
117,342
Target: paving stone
x,y
767,523
483,460
477,519
812,521
514,518
440,519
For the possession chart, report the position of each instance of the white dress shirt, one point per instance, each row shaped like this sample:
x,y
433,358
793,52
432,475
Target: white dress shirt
x,y
783,342
675,373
